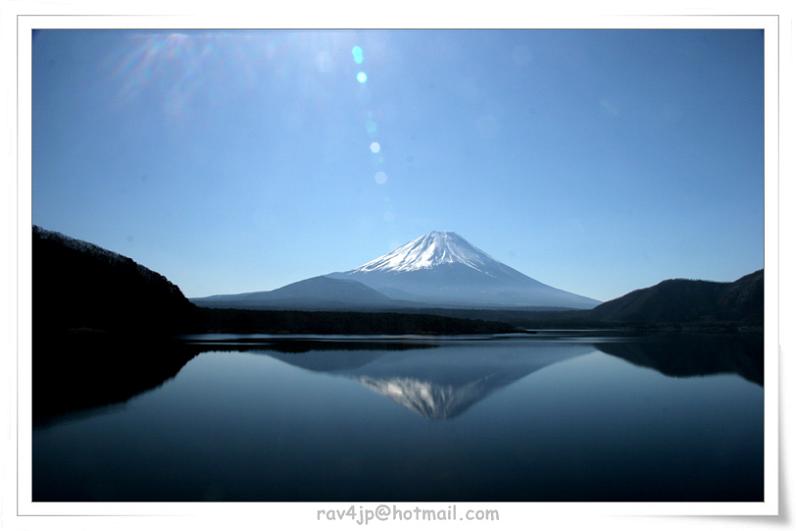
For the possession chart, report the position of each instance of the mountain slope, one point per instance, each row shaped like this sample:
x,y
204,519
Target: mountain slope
x,y
693,301
444,269
78,285
313,293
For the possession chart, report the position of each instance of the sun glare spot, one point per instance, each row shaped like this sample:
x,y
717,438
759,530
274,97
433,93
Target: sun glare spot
x,y
362,77
359,55
375,147
380,177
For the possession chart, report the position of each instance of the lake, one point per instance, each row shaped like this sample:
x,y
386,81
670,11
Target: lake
x,y
495,419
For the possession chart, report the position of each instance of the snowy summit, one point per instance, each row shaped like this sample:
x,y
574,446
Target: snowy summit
x,y
430,250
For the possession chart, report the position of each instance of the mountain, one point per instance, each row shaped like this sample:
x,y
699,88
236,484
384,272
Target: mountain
x,y
438,283
688,301
313,293
443,269
78,285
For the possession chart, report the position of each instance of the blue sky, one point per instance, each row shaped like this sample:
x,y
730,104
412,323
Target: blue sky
x,y
595,161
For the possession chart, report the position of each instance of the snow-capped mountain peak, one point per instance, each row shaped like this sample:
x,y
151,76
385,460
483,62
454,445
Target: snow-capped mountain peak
x,y
444,269
428,251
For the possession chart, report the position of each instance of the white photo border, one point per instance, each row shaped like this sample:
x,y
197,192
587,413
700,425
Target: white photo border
x,y
296,512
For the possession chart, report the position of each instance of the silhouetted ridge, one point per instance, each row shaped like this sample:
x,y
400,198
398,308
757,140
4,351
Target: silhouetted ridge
x,y
693,301
78,285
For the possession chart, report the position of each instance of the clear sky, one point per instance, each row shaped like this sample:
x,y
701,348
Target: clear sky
x,y
595,161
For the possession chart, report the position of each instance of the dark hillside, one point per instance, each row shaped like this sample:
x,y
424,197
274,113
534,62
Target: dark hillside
x,y
77,285
688,301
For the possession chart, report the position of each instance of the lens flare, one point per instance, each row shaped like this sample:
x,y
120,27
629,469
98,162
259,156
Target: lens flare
x,y
362,77
371,127
359,54
375,147
380,177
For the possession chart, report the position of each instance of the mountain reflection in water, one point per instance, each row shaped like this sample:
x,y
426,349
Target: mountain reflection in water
x,y
437,383
443,383
685,356
543,418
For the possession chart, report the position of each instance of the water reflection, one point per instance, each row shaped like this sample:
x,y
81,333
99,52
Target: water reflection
x,y
437,383
440,384
532,419
685,356
81,375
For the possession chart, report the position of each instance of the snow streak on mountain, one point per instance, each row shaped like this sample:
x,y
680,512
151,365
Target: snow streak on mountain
x,y
431,250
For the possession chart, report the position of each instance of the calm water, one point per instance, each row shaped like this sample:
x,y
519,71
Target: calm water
x,y
459,420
